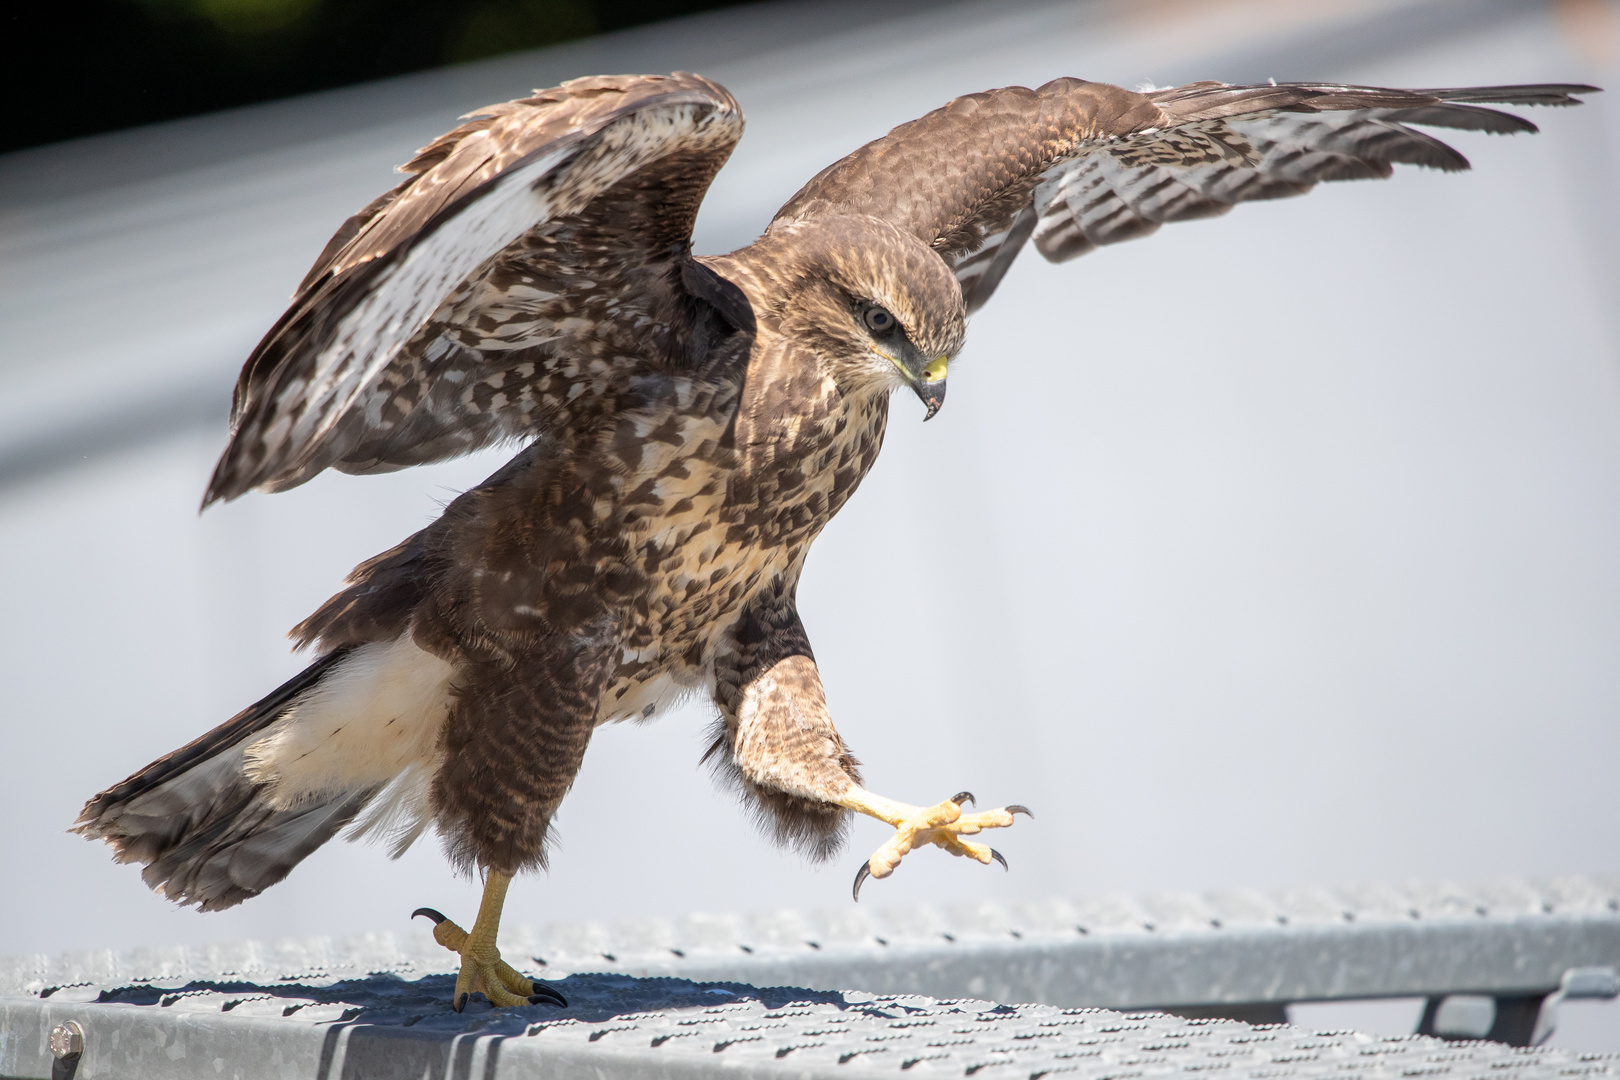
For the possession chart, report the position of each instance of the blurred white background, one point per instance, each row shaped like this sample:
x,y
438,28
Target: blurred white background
x,y
1280,549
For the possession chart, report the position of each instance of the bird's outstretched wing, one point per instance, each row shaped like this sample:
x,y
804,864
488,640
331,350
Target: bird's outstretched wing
x,y
1078,164
455,309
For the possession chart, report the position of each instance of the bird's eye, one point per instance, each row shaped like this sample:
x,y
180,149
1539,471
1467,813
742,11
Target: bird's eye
x,y
878,320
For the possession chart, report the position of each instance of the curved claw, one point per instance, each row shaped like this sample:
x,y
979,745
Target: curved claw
x,y
545,995
1019,810
1000,858
964,797
861,875
461,1002
436,916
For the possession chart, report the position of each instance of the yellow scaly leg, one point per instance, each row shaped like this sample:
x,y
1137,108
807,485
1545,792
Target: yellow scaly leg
x,y
482,968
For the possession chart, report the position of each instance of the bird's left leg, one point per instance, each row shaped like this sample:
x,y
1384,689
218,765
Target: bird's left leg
x,y
780,746
482,969
943,826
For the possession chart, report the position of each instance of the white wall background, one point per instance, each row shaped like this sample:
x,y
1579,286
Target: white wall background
x,y
1279,549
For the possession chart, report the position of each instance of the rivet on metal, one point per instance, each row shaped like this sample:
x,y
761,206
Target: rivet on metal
x,y
67,1040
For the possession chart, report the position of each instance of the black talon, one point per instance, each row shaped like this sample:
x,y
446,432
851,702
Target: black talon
x,y
436,916
461,1002
1020,810
964,796
545,995
861,875
996,855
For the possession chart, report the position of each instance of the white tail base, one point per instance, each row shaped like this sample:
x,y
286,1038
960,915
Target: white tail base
x,y
375,716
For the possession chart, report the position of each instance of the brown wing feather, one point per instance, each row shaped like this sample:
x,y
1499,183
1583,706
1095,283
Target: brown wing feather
x,y
1077,164
1220,145
961,177
406,341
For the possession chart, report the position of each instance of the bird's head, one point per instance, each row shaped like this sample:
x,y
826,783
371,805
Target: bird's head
x,y
880,308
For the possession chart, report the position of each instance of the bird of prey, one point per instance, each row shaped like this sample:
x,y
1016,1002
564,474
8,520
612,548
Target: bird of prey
x,y
688,426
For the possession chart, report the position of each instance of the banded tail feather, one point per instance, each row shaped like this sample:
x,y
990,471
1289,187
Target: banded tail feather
x,y
350,740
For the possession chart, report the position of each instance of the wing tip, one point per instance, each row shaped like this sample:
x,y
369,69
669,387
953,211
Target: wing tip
x,y
225,483
1558,95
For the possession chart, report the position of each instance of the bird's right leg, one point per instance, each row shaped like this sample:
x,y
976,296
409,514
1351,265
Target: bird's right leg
x,y
482,969
512,745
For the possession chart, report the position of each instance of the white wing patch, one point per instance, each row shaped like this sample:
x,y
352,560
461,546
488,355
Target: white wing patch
x,y
406,295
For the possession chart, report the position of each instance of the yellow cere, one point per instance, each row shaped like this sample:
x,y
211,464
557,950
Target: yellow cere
x,y
935,371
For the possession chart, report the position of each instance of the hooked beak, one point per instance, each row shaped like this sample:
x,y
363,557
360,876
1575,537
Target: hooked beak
x,y
926,378
929,384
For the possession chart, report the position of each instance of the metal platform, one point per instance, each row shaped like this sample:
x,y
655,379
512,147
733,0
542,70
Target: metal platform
x,y
622,1027
657,998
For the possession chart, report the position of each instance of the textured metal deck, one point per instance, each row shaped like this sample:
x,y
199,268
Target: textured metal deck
x,y
376,1005
1117,952
618,1026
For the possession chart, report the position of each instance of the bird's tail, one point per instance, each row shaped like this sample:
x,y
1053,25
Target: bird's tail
x,y
206,831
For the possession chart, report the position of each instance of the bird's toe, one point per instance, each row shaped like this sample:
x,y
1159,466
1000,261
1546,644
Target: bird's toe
x,y
545,995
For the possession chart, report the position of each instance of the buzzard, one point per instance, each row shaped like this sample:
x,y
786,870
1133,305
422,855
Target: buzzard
x,y
688,426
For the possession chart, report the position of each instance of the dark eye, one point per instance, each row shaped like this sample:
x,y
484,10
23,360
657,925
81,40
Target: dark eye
x,y
878,320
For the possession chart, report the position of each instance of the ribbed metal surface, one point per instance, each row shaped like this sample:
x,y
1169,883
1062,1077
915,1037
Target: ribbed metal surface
x,y
1116,952
618,1026
376,1005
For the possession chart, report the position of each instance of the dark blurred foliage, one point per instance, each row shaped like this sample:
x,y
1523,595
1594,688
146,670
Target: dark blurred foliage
x,y
77,67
